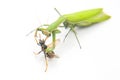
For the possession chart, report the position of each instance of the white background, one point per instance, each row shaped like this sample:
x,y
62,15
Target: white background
x,y
99,58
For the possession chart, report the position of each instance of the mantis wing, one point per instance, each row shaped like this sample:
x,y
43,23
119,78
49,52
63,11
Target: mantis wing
x,y
86,18
82,15
95,19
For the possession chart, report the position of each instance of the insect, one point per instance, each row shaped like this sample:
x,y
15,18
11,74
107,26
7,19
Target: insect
x,y
46,49
77,19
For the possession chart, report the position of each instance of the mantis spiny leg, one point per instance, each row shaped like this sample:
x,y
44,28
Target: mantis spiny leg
x,y
66,35
76,36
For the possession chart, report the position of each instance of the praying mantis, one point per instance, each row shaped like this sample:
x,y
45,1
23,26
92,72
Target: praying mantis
x,y
78,19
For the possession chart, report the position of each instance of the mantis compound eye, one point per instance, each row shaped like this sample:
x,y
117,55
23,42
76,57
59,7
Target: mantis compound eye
x,y
66,24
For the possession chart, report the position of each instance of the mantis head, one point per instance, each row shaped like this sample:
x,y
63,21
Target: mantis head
x,y
44,31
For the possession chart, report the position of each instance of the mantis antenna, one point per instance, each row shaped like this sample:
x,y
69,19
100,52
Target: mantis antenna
x,y
30,32
57,11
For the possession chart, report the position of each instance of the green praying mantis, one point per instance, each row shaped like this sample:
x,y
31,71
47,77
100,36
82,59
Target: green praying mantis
x,y
77,19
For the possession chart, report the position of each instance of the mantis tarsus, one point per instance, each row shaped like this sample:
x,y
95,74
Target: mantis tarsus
x,y
77,19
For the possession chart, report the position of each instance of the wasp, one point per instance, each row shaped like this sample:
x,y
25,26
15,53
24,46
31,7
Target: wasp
x,y
46,49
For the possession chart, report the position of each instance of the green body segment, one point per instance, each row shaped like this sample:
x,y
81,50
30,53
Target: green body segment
x,y
98,18
82,18
53,38
82,15
55,24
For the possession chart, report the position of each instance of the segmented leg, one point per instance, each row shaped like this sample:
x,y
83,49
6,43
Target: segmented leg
x,y
46,61
37,52
66,35
35,36
76,37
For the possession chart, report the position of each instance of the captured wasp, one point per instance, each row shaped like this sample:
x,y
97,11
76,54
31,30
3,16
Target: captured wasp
x,y
46,49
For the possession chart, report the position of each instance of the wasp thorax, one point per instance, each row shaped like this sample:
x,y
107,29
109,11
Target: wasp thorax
x,y
41,42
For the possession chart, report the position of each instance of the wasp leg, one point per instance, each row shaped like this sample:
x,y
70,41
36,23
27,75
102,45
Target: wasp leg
x,y
37,52
35,36
46,61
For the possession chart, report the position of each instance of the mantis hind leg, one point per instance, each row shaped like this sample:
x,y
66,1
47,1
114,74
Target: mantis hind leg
x,y
76,37
71,29
66,35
